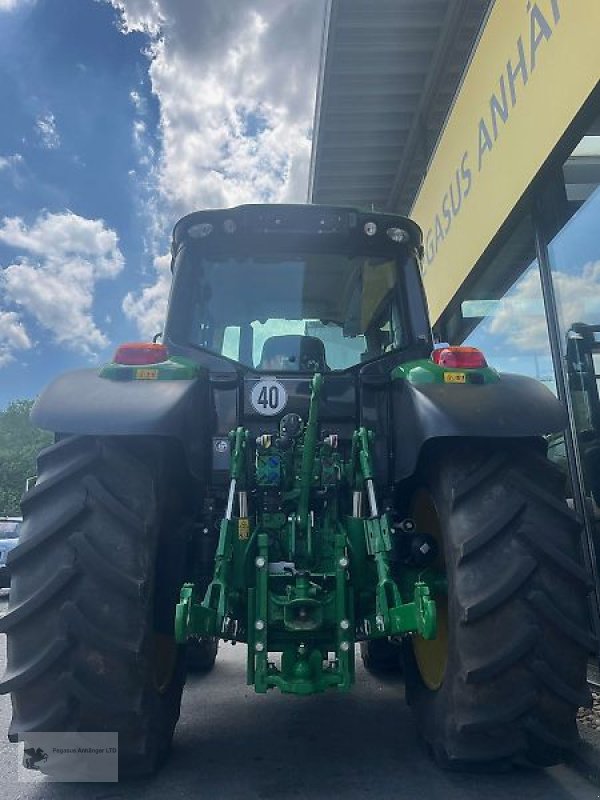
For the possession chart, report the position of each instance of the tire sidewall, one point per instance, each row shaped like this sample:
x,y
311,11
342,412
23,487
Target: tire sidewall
x,y
433,708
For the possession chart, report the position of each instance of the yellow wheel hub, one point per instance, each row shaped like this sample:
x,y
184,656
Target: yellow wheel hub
x,y
432,655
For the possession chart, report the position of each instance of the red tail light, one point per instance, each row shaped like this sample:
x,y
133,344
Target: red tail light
x,y
459,357
136,353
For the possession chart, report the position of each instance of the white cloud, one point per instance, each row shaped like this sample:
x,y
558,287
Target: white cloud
x,y
12,161
138,101
148,307
10,5
13,336
47,132
14,170
520,316
235,83
139,15
61,258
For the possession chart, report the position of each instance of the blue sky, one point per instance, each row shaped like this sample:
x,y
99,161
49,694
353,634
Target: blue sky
x,y
119,116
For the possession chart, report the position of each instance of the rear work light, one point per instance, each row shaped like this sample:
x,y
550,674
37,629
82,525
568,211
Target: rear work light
x,y
459,357
136,353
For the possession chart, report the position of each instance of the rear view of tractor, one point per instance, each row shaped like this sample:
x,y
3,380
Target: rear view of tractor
x,y
292,469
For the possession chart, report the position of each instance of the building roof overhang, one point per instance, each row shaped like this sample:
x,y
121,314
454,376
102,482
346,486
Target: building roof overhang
x,y
389,73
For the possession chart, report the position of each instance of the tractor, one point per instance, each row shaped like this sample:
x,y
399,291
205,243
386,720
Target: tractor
x,y
296,466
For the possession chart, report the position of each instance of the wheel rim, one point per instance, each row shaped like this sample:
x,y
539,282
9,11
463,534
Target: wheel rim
x,y
165,659
432,655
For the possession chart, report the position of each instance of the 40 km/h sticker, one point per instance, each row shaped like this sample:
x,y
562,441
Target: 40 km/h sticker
x,y
268,397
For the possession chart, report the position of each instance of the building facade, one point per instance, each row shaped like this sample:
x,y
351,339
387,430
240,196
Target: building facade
x,y
507,193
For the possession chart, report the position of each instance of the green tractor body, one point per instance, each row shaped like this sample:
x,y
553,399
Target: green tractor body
x,y
297,468
302,575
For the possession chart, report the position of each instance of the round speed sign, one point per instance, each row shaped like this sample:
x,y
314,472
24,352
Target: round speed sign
x,y
268,397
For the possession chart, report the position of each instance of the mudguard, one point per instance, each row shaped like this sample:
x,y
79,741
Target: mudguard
x,y
513,407
83,403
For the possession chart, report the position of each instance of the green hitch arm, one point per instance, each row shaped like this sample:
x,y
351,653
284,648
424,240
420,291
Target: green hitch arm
x,y
393,616
183,612
239,438
308,453
364,452
363,440
418,616
216,601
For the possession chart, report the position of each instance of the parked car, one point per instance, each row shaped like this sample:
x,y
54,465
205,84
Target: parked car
x,y
9,536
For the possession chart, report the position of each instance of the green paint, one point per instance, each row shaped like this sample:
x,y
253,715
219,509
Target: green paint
x,y
426,371
307,469
302,582
177,368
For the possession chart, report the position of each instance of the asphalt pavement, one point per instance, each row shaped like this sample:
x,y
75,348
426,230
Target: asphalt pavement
x,y
232,744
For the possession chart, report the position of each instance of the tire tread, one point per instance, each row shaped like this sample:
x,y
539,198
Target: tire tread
x,y
516,671
67,669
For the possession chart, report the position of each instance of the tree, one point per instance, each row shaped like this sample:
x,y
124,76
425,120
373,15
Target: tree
x,y
20,442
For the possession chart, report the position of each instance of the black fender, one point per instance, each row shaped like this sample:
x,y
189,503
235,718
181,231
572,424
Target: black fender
x,y
513,407
83,403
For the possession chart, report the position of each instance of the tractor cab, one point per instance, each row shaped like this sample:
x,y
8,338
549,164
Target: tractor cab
x,y
266,297
295,289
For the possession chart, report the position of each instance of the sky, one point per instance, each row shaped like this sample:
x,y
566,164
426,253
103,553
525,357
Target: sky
x,y
116,118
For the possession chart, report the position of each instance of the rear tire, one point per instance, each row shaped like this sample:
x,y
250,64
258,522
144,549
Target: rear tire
x,y
513,672
90,620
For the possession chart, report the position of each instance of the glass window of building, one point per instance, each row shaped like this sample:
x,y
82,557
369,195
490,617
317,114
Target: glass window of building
x,y
574,253
575,249
501,310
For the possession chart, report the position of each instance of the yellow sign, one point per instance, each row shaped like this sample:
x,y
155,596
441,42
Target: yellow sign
x,y
535,65
455,377
243,528
146,374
